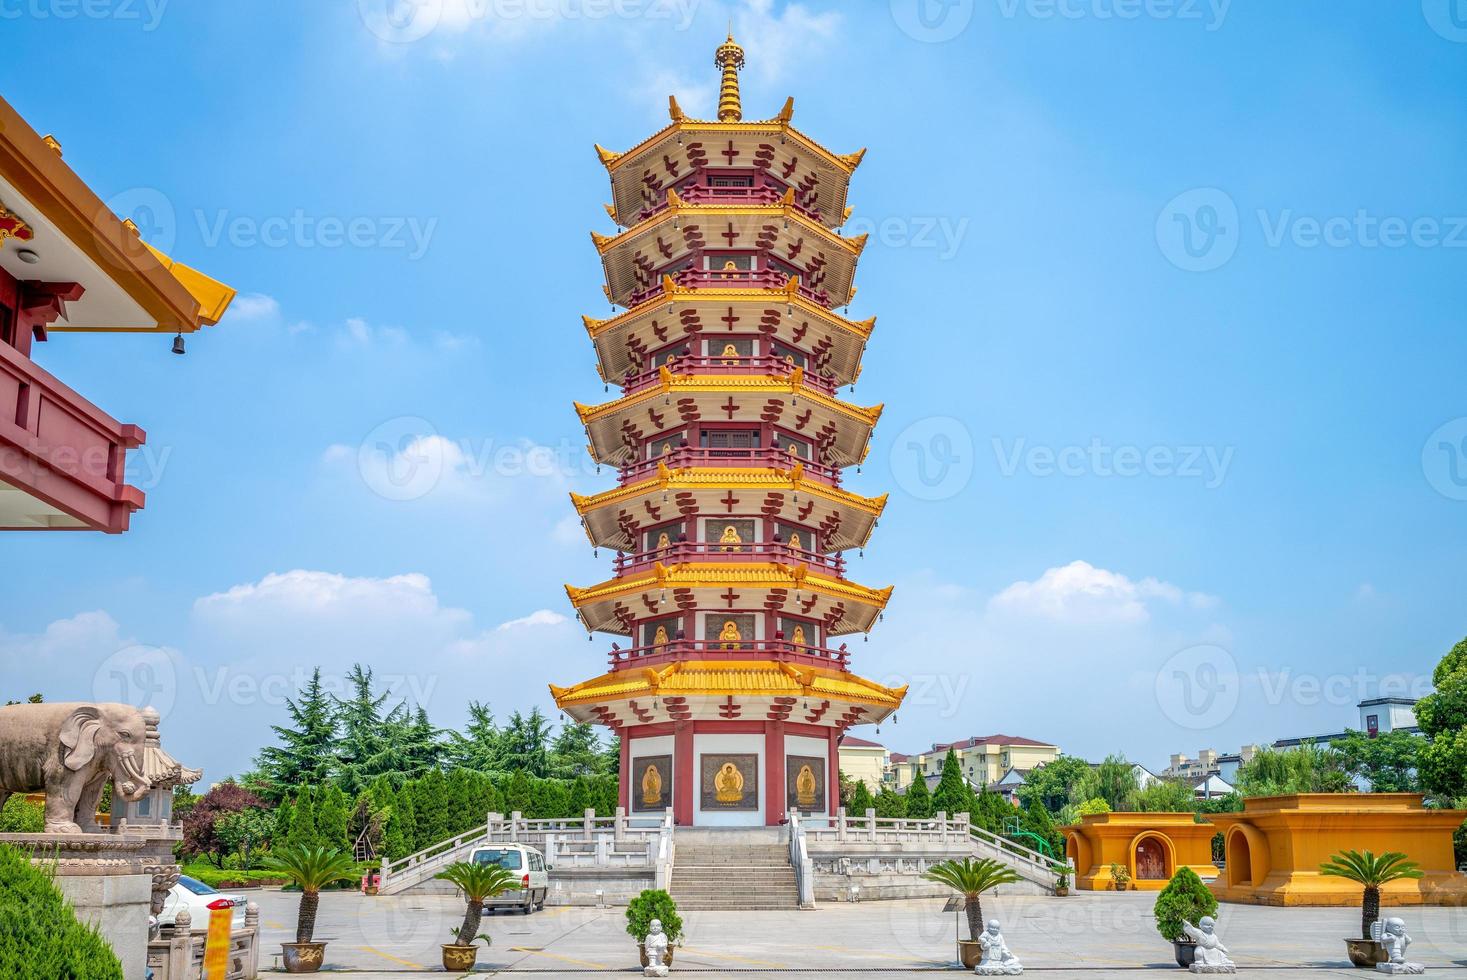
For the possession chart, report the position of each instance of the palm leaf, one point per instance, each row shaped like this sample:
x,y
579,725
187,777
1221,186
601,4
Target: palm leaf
x,y
479,882
972,877
1365,868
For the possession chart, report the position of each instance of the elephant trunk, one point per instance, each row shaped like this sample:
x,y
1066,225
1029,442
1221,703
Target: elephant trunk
x,y
128,779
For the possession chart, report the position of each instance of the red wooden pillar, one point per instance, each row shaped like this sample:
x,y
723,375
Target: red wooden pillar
x,y
682,765
832,790
775,796
626,771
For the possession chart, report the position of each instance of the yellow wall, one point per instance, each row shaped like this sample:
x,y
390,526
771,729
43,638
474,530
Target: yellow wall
x,y
1100,840
867,765
1275,846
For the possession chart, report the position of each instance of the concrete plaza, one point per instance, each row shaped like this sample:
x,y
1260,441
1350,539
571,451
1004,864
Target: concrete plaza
x,y
1082,934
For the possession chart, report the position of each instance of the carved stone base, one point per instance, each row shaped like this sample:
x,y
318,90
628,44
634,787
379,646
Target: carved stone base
x,y
996,970
1407,968
1203,968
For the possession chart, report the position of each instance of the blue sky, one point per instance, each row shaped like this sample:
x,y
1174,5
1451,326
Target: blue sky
x,y
1169,301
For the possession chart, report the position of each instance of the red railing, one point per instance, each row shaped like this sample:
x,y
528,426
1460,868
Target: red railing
x,y
734,364
736,279
60,448
781,651
756,551
754,458
703,194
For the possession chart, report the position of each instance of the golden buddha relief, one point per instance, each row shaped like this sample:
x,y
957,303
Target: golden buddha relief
x,y
728,785
659,639
651,785
663,541
730,538
789,359
805,786
798,639
730,354
729,636
795,540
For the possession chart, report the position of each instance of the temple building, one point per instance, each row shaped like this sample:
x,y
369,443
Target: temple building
x,y
69,265
732,686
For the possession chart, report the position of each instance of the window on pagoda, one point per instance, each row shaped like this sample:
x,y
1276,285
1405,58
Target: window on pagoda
x,y
785,269
799,538
732,630
659,632
661,538
729,439
731,182
801,632
791,446
663,445
789,355
732,534
731,347
728,262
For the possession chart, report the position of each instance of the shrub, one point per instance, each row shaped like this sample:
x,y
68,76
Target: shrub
x,y
1092,806
654,903
21,816
1184,898
40,935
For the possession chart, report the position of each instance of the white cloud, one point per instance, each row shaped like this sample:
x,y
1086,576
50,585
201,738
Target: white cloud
x,y
1081,593
84,635
774,41
323,594
540,617
252,306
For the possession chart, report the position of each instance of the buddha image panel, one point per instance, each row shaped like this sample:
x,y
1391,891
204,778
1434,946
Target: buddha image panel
x,y
729,782
805,783
651,783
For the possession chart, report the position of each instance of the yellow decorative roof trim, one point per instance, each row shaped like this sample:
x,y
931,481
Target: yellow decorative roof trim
x,y
712,575
678,208
693,477
736,678
669,383
671,292
778,126
212,295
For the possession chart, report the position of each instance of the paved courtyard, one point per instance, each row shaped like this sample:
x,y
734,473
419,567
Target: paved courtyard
x,y
1083,934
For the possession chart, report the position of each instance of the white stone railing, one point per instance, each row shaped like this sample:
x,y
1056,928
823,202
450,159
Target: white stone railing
x,y
800,861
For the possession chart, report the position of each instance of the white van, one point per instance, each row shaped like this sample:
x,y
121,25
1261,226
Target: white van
x,y
525,861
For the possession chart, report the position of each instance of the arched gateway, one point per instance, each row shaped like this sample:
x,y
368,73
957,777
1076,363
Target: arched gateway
x,y
729,518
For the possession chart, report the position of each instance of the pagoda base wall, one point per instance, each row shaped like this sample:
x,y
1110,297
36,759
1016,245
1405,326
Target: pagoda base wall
x,y
729,773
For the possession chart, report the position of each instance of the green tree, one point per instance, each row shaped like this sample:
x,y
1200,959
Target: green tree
x,y
952,795
332,817
518,793
890,803
861,800
284,822
1088,808
919,799
1442,716
576,751
1038,822
1372,872
430,809
477,883
40,935
525,743
311,868
991,812
245,832
1388,761
1053,784
478,746
1306,769
971,878
362,749
1185,898
397,830
306,753
1113,781
303,831
1165,796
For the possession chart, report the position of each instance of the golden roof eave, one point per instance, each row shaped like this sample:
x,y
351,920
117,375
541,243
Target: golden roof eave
x,y
733,478
678,209
758,383
732,678
715,575
671,292
845,163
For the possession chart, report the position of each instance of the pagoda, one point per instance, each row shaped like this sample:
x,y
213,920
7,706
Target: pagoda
x,y
729,519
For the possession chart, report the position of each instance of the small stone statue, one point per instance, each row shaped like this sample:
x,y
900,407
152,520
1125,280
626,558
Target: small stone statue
x,y
655,946
1211,955
1391,933
997,960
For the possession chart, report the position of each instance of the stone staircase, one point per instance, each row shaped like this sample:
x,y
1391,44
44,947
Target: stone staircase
x,y
734,873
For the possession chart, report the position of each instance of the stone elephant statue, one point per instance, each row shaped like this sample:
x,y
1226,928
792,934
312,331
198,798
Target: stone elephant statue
x,y
70,750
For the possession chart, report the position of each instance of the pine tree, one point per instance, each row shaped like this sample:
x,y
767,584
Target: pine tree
x,y
890,803
304,831
919,799
306,755
396,832
431,809
953,795
478,747
525,743
518,793
861,800
580,797
1038,822
408,814
362,743
284,823
332,817
576,751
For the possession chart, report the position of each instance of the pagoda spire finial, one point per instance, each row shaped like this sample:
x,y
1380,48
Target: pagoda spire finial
x,y
730,58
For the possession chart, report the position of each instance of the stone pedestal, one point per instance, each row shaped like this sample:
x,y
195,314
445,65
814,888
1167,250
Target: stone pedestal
x,y
113,881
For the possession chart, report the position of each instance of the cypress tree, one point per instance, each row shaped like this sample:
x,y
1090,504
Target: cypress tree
x,y
397,833
332,818
861,800
303,828
518,793
919,800
306,754
953,795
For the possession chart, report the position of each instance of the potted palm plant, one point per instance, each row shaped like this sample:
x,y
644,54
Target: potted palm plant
x,y
1061,880
971,878
1184,899
1372,872
311,869
654,903
479,883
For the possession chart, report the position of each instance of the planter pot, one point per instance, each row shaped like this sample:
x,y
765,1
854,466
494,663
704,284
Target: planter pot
x,y
459,959
1061,892
303,957
1185,951
1366,953
970,952
666,957
1121,886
